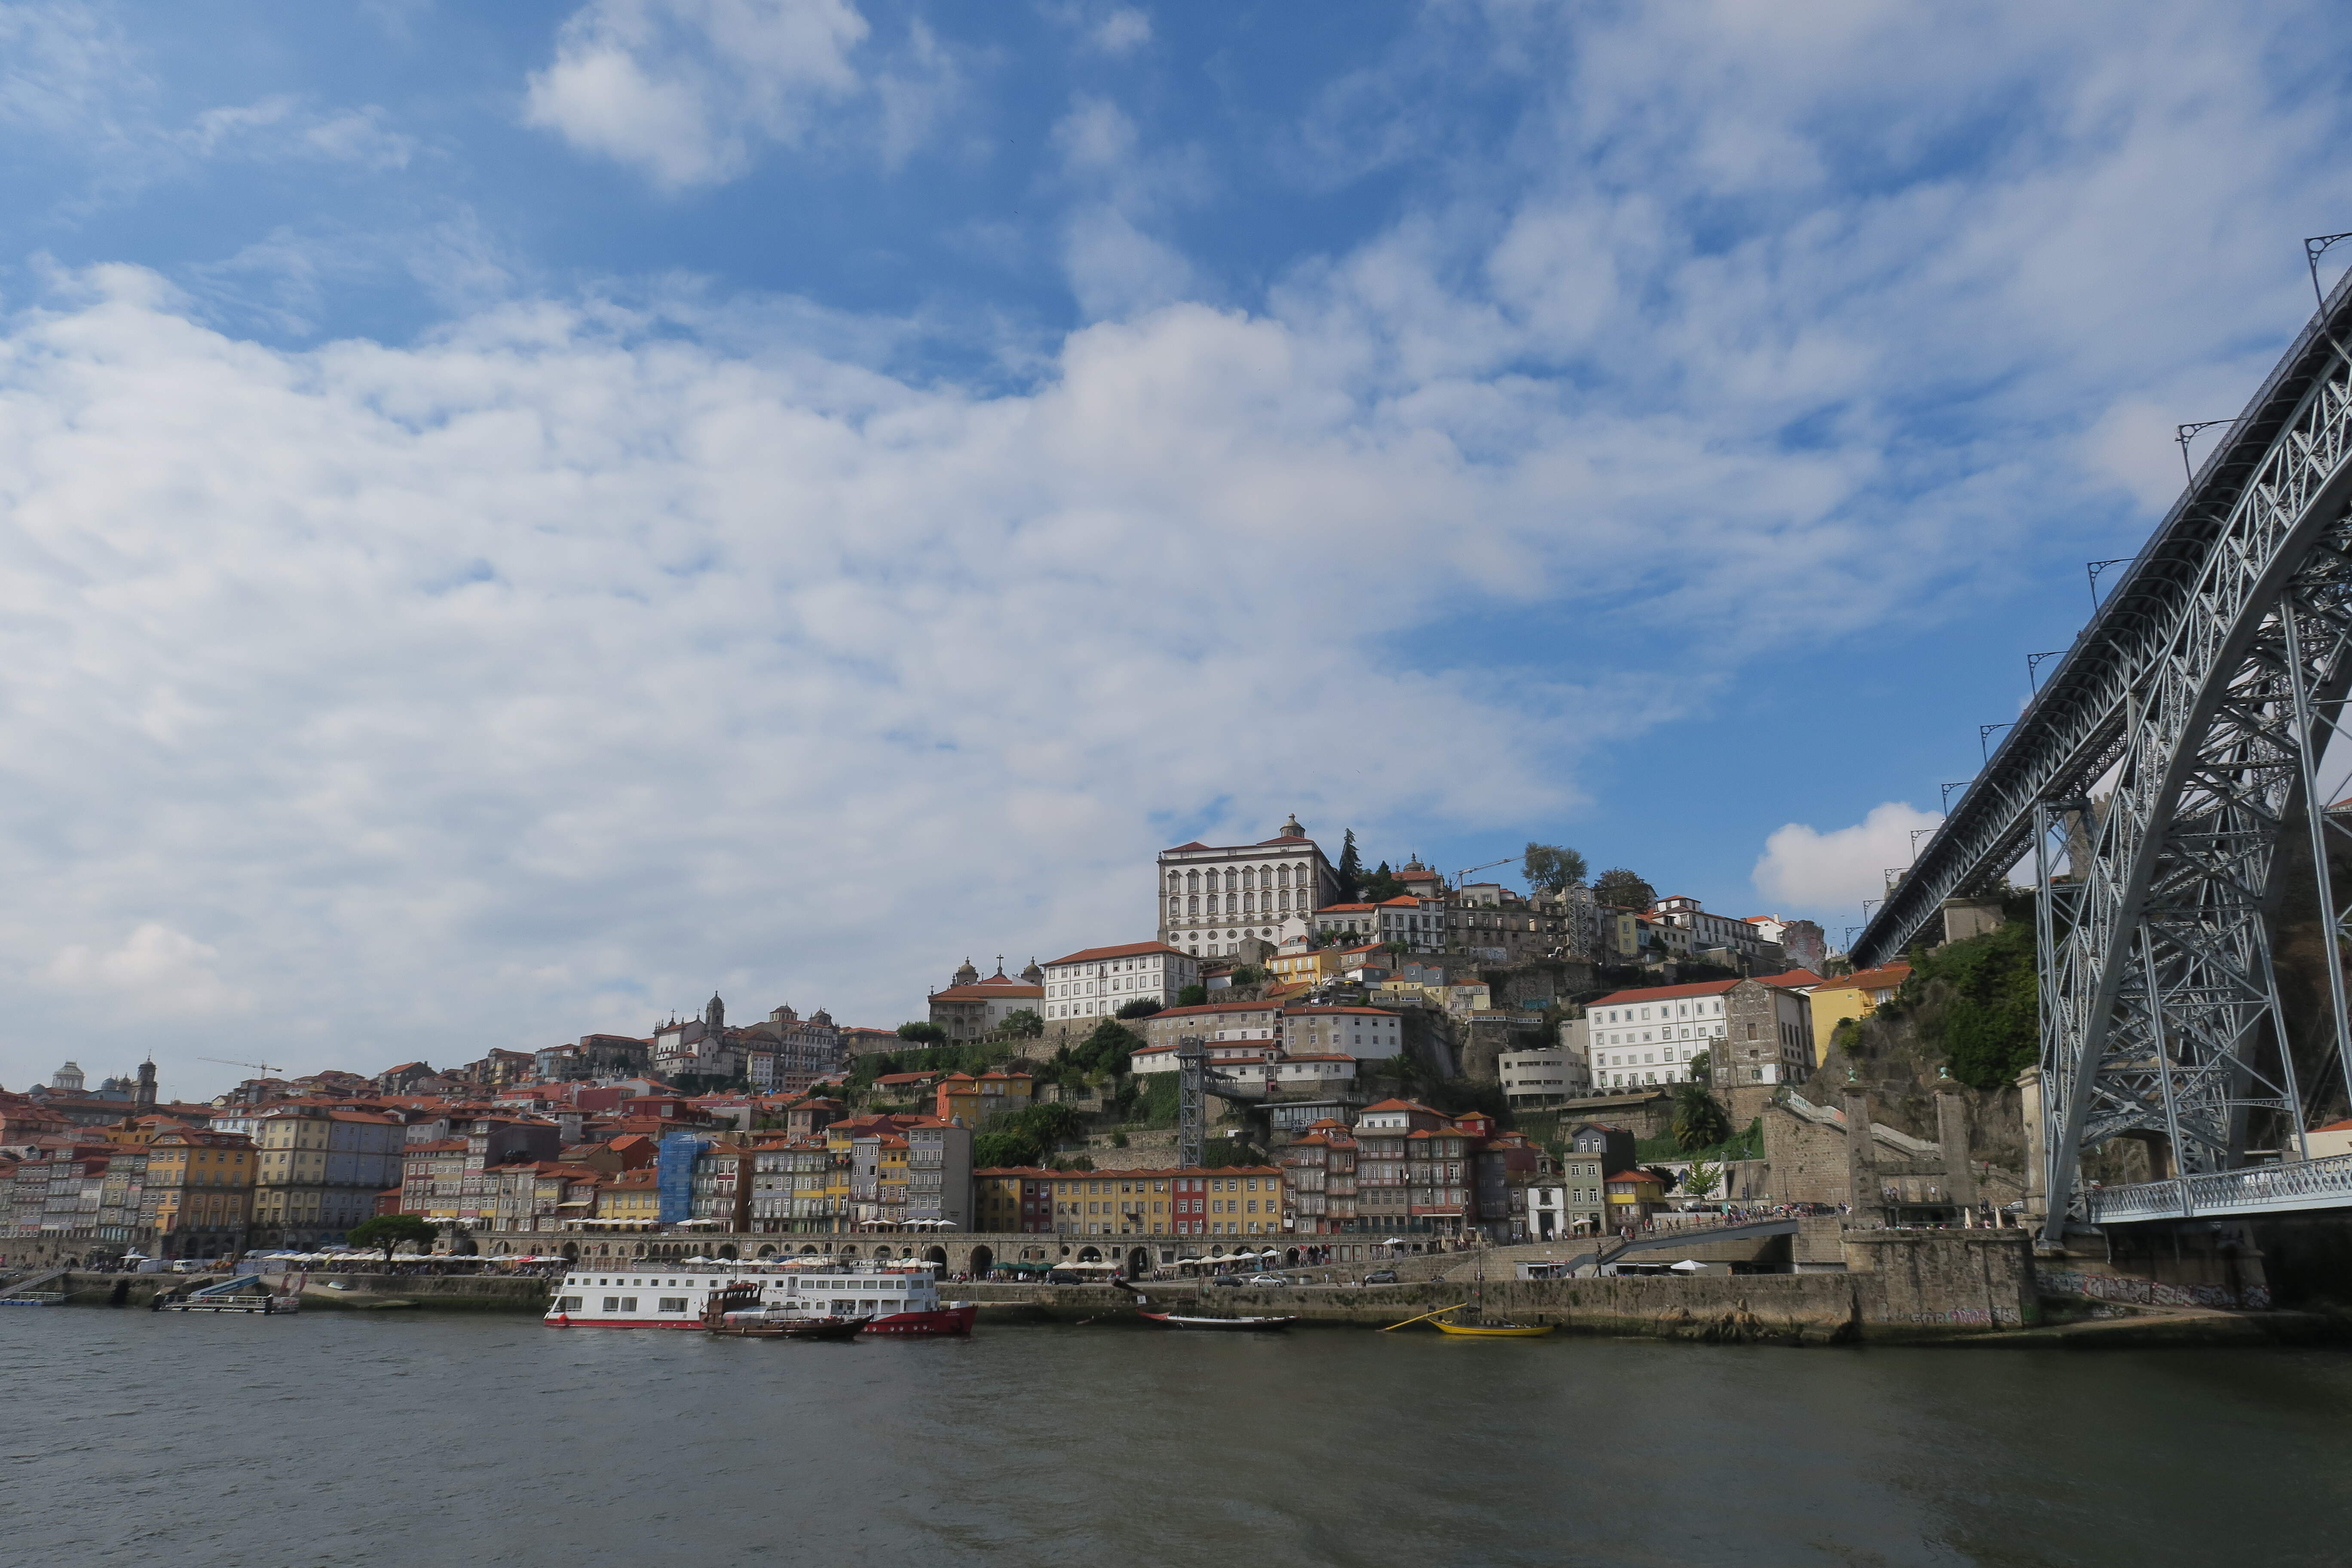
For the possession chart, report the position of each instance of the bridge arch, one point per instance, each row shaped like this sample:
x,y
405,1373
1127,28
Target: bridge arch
x,y
2154,778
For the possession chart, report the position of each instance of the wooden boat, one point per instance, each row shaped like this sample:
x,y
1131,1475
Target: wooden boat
x,y
1481,1327
1245,1325
1484,1330
792,1329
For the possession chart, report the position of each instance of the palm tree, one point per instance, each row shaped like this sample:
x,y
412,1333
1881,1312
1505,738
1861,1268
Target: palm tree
x,y
1699,1122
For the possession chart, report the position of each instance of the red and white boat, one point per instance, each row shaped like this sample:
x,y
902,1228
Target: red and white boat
x,y
902,1302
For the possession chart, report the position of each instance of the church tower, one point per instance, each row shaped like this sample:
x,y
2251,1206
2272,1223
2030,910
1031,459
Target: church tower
x,y
144,1099
715,1015
967,975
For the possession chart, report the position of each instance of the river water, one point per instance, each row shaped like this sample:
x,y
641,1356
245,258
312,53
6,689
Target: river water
x,y
410,1438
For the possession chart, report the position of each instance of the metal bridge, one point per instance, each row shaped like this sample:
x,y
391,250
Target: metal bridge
x,y
2162,777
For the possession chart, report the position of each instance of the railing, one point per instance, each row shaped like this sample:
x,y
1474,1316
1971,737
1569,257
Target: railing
x,y
2260,1189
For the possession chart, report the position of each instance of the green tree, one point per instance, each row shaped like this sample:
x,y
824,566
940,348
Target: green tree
x,y
1619,888
1351,870
1978,999
1001,1149
1025,1024
392,1230
1248,974
1699,1122
922,1033
1141,1007
1702,1179
1192,996
1552,868
1381,886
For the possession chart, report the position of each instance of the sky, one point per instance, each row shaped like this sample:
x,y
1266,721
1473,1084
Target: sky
x,y
515,518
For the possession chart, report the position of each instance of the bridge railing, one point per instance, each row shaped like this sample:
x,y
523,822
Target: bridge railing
x,y
2303,1183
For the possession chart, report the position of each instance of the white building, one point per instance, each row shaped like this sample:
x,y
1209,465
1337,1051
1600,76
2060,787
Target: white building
x,y
1367,1034
1650,1036
1702,932
1418,924
1211,897
1535,1079
970,1006
1097,982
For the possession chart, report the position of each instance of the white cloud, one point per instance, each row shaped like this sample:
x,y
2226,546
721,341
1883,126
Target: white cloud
x,y
1837,870
156,973
282,126
683,91
1122,31
537,679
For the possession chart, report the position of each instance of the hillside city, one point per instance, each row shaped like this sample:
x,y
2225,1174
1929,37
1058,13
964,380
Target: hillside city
x,y
1393,1054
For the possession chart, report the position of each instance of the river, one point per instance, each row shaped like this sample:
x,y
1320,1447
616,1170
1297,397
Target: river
x,y
404,1438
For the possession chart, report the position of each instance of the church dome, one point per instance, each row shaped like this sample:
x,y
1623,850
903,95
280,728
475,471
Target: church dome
x,y
967,975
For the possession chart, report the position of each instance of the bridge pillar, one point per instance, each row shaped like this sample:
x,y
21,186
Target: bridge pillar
x,y
1861,1184
2037,1145
1952,1133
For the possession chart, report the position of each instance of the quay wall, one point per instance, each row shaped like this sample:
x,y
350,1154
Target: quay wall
x,y
1898,1286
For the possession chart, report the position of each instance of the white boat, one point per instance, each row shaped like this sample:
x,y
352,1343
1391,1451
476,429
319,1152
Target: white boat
x,y
890,1300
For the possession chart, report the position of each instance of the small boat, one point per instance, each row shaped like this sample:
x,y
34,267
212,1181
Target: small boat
x,y
1245,1325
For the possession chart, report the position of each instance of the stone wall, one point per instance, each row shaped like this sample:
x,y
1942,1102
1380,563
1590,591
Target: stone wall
x,y
1806,1160
1943,1279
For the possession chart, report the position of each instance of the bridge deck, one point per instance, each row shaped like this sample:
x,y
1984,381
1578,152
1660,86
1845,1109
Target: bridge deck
x,y
2263,1189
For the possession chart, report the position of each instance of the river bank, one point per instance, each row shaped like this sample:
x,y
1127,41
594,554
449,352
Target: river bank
x,y
1793,1310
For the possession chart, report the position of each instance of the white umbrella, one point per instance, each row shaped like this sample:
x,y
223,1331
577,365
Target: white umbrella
x,y
1687,1266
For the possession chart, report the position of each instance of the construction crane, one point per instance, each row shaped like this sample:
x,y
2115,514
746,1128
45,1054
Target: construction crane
x,y
1459,878
257,1067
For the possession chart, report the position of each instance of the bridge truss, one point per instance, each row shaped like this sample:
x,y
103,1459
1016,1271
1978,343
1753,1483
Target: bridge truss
x,y
2160,773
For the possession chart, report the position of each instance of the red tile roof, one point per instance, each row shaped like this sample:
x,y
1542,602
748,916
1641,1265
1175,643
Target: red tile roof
x,y
1664,994
1879,979
1129,950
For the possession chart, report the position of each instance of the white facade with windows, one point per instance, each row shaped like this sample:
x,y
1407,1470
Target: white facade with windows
x,y
1651,1036
1098,981
1210,897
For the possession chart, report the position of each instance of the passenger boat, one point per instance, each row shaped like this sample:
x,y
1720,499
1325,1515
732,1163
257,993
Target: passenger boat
x,y
902,1302
1245,1325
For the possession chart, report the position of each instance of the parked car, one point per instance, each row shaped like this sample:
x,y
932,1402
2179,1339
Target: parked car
x,y
1268,1280
1381,1276
1230,1282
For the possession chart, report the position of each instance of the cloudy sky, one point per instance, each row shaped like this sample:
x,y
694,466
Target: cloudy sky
x,y
512,516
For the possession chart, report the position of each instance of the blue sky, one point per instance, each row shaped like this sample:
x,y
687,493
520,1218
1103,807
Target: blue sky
x,y
512,516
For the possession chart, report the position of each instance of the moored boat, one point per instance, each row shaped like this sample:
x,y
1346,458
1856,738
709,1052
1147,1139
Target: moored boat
x,y
1245,1325
1483,1330
766,1301
1481,1327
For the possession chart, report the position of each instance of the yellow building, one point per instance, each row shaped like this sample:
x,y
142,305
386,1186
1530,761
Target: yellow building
x,y
1241,1200
970,1101
996,1196
1856,995
1633,1197
1310,967
199,1192
631,1195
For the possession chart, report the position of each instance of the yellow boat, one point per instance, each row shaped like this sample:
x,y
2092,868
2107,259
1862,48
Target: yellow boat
x,y
1478,1328
1493,1331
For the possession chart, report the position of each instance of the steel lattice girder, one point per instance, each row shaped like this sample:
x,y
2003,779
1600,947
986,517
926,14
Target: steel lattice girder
x,y
2074,730
2159,1009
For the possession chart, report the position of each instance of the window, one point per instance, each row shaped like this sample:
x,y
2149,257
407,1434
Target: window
x,y
673,1304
